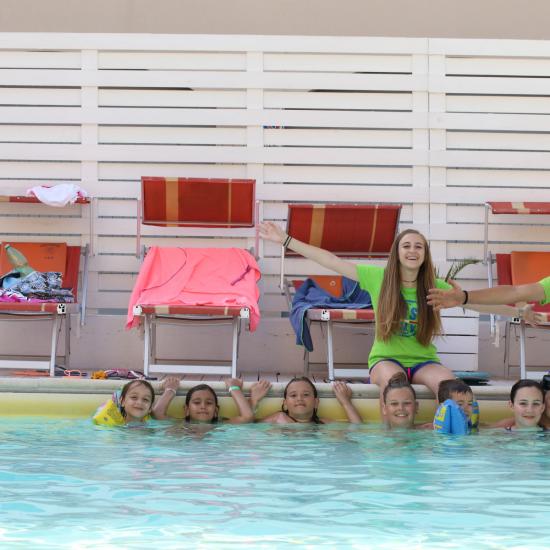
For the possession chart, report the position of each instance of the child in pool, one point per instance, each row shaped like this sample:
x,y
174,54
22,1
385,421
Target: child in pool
x,y
201,402
131,405
300,403
460,393
399,404
527,403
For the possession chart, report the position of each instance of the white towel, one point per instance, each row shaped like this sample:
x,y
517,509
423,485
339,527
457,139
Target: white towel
x,y
58,195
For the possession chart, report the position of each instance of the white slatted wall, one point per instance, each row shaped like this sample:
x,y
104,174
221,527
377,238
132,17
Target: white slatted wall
x,y
438,125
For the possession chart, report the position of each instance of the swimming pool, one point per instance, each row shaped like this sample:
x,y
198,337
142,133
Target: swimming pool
x,y
69,484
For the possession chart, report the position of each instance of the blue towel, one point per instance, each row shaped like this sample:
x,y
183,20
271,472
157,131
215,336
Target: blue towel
x,y
310,295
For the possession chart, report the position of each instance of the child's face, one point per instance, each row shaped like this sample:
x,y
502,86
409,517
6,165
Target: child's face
x,y
400,408
412,251
528,407
464,401
202,406
137,402
300,401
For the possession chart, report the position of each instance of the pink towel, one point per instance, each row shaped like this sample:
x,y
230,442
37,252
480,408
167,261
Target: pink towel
x,y
197,276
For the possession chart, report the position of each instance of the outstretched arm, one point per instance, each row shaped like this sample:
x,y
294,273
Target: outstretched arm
x,y
505,294
170,386
343,393
272,232
235,385
526,312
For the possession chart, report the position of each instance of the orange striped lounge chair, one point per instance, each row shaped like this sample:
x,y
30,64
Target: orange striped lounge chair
x,y
226,204
77,258
360,231
517,268
54,312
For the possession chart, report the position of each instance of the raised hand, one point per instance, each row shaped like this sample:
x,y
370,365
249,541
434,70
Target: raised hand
x,y
258,391
272,232
342,391
439,298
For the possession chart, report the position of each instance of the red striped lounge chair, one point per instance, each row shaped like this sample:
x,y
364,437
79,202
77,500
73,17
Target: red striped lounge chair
x,y
359,231
226,204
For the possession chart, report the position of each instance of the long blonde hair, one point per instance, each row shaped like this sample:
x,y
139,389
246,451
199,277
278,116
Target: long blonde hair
x,y
392,308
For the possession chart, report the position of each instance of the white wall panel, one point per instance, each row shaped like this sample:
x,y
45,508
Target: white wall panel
x,y
440,126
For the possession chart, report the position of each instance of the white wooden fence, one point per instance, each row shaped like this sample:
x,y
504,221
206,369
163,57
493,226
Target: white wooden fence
x,y
439,125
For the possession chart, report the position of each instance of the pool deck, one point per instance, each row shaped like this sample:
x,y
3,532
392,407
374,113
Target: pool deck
x,y
495,390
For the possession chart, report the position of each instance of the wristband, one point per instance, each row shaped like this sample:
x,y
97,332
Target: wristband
x,y
465,297
233,388
171,389
287,241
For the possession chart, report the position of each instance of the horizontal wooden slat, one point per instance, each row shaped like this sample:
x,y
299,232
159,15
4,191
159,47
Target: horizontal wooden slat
x,y
223,80
214,43
166,153
505,141
40,59
53,95
172,135
210,116
342,100
338,138
509,66
492,103
34,133
157,61
337,62
142,97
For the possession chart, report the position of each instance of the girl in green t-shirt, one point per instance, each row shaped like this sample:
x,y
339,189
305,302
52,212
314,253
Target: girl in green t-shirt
x,y
405,324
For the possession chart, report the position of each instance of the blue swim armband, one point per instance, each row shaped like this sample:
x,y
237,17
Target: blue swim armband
x,y
451,419
474,420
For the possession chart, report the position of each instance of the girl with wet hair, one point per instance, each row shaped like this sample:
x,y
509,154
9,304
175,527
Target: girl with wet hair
x,y
201,402
301,401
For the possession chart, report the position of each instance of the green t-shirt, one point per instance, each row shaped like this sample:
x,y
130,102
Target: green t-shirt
x,y
546,285
403,347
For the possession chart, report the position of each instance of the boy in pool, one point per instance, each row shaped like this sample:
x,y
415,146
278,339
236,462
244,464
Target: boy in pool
x,y
453,395
399,404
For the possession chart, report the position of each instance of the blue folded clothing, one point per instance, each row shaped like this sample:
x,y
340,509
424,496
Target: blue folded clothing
x,y
311,295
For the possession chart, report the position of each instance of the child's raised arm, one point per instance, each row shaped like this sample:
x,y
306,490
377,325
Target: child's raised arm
x,y
258,391
272,232
170,386
343,393
235,385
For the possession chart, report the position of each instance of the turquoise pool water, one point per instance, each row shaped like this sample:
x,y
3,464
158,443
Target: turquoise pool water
x,y
68,484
